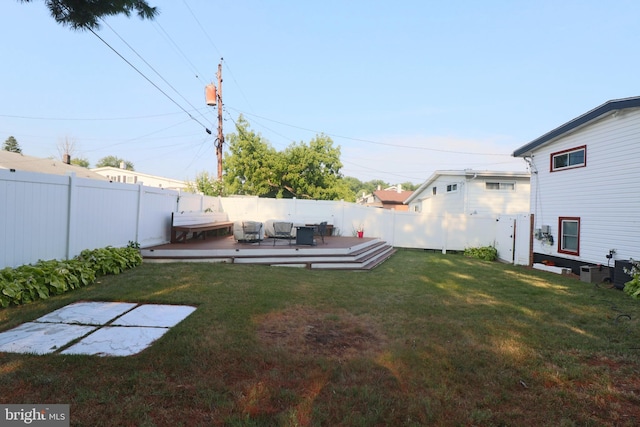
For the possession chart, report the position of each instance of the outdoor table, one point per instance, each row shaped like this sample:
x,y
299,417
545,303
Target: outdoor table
x,y
304,235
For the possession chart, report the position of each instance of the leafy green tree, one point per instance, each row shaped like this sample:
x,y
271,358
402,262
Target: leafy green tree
x,y
207,185
409,186
309,171
370,186
84,14
114,162
358,187
313,171
250,166
11,144
80,162
355,186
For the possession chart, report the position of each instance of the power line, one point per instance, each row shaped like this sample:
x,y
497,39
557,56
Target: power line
x,y
370,141
378,171
195,18
152,68
373,170
177,48
149,80
139,137
226,64
261,124
88,119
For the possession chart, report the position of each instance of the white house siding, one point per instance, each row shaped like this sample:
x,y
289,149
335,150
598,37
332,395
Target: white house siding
x,y
449,202
472,197
605,194
133,177
481,201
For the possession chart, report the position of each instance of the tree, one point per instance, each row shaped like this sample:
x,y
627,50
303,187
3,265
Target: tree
x,y
355,187
249,168
313,171
207,185
114,162
85,14
80,161
11,144
309,171
68,147
409,186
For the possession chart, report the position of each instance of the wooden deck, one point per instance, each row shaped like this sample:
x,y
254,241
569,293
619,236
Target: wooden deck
x,y
337,252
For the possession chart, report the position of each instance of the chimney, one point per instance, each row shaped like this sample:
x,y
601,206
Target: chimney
x,y
399,188
66,158
122,165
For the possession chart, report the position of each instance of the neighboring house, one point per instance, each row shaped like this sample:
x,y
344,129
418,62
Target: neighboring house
x,y
472,192
389,198
20,162
134,177
585,194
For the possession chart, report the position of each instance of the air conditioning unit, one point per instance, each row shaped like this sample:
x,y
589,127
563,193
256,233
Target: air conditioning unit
x,y
594,273
619,276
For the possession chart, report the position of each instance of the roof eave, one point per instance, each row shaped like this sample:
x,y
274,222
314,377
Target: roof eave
x,y
589,116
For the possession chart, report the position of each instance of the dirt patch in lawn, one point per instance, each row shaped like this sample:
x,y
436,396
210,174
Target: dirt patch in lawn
x,y
304,331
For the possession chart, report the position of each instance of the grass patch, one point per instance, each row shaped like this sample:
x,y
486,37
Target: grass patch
x,y
424,339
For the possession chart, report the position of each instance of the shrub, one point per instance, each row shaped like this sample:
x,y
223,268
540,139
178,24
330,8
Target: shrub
x,y
28,283
111,260
632,287
487,253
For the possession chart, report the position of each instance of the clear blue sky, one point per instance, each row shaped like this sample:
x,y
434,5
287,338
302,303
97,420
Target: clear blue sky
x,y
404,87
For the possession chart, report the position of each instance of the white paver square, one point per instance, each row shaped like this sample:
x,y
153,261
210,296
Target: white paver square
x,y
116,341
87,313
155,315
40,338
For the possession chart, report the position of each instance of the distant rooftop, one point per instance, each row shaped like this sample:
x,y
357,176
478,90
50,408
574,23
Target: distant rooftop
x,y
20,162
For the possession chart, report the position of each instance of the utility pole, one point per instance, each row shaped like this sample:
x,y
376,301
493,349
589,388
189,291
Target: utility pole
x,y
220,139
213,97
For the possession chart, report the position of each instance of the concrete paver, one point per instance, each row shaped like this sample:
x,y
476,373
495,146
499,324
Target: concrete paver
x,y
105,329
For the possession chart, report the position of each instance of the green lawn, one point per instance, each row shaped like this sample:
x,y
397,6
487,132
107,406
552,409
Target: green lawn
x,y
424,339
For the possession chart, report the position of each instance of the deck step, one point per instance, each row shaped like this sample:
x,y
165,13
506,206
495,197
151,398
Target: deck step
x,y
363,256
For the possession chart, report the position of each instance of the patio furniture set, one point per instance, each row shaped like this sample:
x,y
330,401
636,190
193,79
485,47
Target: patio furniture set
x,y
198,224
302,234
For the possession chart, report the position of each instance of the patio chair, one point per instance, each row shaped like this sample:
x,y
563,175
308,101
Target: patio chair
x,y
322,230
252,231
282,230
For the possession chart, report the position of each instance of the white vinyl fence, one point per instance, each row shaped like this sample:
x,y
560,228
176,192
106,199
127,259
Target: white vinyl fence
x,y
56,217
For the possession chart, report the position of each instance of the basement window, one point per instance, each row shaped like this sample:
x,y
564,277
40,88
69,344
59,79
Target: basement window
x,y
569,159
569,230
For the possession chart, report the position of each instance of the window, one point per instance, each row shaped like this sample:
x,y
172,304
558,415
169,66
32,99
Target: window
x,y
504,186
569,159
434,190
569,241
452,188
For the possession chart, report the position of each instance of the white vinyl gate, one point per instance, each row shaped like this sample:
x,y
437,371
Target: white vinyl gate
x,y
513,235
